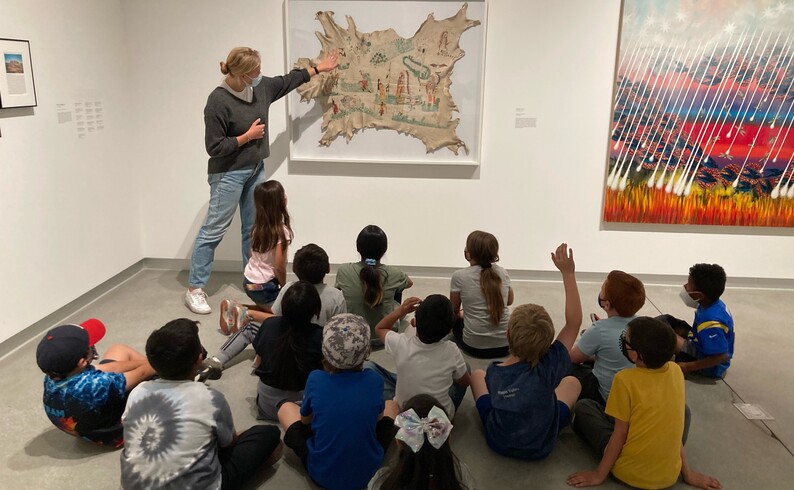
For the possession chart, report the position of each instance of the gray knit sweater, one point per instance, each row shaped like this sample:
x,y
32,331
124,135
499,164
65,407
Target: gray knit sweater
x,y
226,117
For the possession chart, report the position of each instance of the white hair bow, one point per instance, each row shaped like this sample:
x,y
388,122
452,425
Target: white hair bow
x,y
413,428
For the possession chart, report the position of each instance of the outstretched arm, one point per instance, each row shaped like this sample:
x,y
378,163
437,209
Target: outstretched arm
x,y
703,363
328,63
611,453
696,479
563,260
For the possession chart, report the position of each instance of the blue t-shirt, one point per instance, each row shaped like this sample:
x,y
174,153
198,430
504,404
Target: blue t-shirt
x,y
524,419
602,340
88,404
712,334
344,451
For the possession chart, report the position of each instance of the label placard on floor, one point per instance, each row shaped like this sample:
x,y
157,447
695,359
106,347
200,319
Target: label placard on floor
x,y
753,412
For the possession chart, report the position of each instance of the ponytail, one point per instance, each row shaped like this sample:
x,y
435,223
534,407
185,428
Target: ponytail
x,y
372,283
371,244
483,249
491,287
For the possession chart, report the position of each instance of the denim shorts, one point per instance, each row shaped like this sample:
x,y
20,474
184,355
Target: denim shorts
x,y
263,294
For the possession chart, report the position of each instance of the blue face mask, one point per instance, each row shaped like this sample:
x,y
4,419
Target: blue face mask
x,y
255,81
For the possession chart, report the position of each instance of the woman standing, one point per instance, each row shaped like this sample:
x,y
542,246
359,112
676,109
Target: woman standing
x,y
237,141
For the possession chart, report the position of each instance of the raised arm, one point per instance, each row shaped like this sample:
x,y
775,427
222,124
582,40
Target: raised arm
x,y
563,260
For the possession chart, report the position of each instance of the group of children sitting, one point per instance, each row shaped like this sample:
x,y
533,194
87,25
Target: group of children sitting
x,y
340,413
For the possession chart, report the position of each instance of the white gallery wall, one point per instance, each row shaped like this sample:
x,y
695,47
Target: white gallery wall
x,y
535,188
69,206
78,211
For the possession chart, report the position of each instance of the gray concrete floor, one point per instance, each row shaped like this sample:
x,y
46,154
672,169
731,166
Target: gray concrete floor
x,y
739,452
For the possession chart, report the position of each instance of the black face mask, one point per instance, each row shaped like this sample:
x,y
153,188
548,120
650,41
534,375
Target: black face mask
x,y
623,348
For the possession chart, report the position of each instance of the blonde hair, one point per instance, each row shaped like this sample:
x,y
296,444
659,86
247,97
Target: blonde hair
x,y
240,61
530,333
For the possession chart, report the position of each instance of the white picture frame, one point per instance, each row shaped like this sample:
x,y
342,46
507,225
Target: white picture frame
x,y
379,145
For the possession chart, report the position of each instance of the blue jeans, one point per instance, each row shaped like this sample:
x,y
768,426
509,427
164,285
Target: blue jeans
x,y
227,190
456,391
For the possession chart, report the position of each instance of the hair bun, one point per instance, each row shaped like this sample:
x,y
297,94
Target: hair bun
x,y
224,68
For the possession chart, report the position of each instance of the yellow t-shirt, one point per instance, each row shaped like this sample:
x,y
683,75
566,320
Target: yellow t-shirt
x,y
652,402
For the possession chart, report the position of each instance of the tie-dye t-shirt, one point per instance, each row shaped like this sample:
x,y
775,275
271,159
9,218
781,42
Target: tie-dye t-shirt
x,y
88,404
172,432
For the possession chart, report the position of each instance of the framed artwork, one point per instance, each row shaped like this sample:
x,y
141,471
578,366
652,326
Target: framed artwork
x,y
16,78
408,88
701,130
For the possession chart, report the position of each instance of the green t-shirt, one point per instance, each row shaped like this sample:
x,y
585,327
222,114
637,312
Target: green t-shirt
x,y
347,279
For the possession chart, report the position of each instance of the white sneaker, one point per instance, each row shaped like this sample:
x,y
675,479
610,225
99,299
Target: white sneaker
x,y
196,300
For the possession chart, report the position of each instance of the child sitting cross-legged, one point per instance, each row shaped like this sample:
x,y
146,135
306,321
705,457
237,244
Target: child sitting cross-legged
x,y
290,347
339,430
706,347
639,436
426,363
621,297
526,400
179,433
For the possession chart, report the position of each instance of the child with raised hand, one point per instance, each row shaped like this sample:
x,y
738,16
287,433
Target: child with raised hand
x,y
639,436
290,347
339,431
706,347
266,270
621,297
371,288
426,362
526,400
483,292
425,459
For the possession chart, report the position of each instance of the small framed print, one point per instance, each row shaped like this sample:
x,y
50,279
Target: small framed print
x,y
16,75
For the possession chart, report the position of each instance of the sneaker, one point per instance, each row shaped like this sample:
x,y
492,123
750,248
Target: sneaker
x,y
239,314
210,369
196,301
227,320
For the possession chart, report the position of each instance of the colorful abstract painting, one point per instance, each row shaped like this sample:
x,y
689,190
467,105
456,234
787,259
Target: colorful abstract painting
x,y
703,112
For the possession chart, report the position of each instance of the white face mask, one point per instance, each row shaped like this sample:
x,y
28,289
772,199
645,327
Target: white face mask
x,y
687,299
254,81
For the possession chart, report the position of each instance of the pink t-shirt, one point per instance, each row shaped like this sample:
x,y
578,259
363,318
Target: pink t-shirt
x,y
261,267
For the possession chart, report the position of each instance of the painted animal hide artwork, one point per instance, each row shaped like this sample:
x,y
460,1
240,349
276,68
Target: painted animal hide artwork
x,y
385,81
